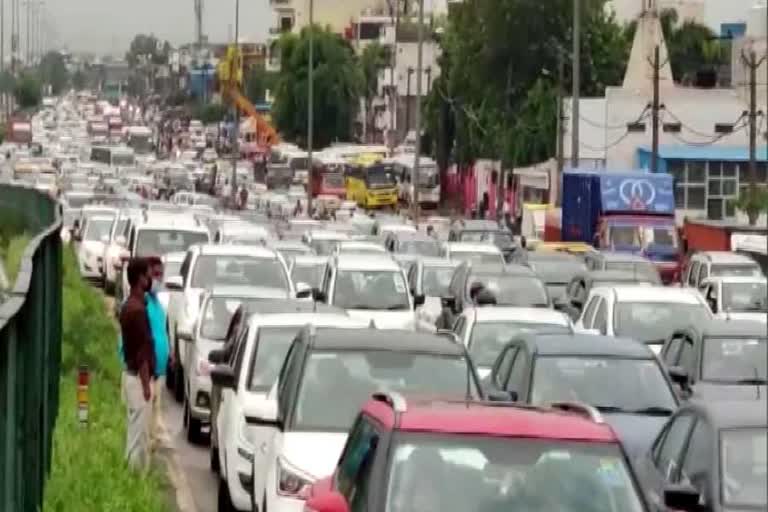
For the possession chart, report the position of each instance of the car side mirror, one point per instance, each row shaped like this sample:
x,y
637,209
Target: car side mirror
x,y
175,283
264,412
318,295
328,502
303,291
682,497
498,395
418,300
217,356
223,376
679,376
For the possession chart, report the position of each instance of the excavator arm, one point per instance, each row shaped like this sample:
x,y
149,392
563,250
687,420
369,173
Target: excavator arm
x,y
267,136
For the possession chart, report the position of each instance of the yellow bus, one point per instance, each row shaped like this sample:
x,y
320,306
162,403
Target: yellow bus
x,y
371,183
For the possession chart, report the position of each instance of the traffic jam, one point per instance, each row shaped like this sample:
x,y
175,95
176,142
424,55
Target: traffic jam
x,y
600,356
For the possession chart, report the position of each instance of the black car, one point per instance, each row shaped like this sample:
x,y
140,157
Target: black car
x,y
578,289
620,378
724,359
712,455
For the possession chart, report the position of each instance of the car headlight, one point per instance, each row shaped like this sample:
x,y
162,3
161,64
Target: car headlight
x,y
290,481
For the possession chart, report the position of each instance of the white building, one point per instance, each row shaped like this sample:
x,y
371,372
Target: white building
x,y
703,134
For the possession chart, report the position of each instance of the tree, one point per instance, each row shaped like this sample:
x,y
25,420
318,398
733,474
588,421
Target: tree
x,y
79,80
7,82
28,91
257,81
53,71
337,82
148,49
373,59
753,202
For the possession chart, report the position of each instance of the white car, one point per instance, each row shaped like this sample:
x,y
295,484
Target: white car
x,y
486,330
370,287
218,306
114,247
90,251
431,278
359,247
737,298
266,344
323,242
477,253
718,264
648,314
308,269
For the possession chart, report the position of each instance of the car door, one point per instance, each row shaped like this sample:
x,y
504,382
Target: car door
x,y
355,471
517,380
664,458
699,464
600,320
585,321
181,305
228,418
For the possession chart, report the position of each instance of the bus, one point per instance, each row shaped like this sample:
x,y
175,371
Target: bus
x,y
429,179
327,178
113,156
371,183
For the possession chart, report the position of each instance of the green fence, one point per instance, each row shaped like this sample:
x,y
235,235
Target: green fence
x,y
30,351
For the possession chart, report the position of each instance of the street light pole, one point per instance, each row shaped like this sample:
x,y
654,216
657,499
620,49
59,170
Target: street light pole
x,y
576,83
419,76
311,103
29,15
236,127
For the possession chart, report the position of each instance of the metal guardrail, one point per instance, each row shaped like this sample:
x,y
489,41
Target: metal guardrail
x,y
30,352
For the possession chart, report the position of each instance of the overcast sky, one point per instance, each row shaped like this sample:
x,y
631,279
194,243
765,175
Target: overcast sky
x,y
107,26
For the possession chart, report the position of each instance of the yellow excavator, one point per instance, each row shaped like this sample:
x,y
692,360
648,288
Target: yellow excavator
x,y
230,73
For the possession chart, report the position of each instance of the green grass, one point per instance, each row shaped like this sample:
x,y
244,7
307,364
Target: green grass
x,y
89,472
11,255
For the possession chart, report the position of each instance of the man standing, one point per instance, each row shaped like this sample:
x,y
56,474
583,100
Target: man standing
x,y
157,322
139,365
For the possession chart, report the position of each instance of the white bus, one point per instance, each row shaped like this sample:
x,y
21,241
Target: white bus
x,y
428,181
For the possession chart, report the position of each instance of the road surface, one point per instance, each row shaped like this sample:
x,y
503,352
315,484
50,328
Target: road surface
x,y
193,460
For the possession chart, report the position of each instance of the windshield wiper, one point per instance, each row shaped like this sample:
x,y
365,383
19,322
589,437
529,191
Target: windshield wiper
x,y
753,381
360,306
653,410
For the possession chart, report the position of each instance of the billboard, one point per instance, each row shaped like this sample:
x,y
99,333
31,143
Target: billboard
x,y
637,193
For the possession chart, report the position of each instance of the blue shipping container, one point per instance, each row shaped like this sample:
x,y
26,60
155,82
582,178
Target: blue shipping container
x,y
581,205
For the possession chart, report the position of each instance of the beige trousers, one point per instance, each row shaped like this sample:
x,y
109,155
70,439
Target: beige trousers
x,y
159,438
139,416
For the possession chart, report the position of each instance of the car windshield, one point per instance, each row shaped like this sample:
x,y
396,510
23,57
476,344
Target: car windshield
x,y
655,321
172,268
659,236
270,350
156,242
96,229
428,248
458,473
745,297
634,384
743,468
240,270
381,177
478,258
218,314
308,274
436,280
731,360
488,338
351,377
621,237
512,290
371,289
720,270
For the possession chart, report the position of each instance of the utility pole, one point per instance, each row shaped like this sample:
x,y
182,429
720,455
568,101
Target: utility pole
x,y
236,127
393,83
408,99
419,79
655,111
311,103
753,64
560,127
576,83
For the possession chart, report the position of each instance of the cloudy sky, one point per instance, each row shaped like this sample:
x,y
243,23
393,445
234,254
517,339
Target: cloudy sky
x,y
107,26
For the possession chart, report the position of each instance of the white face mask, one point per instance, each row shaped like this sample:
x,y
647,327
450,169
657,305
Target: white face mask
x,y
156,286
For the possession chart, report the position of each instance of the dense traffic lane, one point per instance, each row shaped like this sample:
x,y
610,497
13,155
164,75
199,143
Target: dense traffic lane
x,y
193,461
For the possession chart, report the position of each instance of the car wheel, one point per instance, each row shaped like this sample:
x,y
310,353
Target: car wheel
x,y
194,426
224,502
214,453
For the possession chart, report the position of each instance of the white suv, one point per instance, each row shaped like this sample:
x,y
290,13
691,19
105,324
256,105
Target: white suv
x,y
209,265
649,314
251,373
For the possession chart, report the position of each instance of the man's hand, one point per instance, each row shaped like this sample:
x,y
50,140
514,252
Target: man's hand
x,y
147,388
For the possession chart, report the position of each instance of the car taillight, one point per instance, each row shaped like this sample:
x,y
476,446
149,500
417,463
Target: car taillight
x,y
290,483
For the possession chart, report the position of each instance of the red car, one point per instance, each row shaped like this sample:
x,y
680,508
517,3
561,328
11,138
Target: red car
x,y
460,456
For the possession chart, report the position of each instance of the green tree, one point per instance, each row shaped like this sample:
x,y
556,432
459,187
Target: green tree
x,y
373,59
53,71
7,82
257,81
338,84
79,80
28,91
148,49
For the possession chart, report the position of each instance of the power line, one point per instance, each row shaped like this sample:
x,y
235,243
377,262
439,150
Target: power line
x,y
696,132
712,141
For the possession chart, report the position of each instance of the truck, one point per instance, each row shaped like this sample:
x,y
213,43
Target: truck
x,y
630,212
19,131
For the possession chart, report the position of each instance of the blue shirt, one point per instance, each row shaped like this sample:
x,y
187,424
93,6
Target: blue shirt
x,y
157,320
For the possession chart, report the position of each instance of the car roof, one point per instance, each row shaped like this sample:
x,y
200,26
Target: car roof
x,y
545,255
515,314
487,247
727,257
497,420
616,275
414,235
510,269
659,293
623,256
289,319
366,262
171,222
586,345
257,251
731,414
100,217
361,244
717,328
439,262
370,338
737,279
288,244
327,234
249,292
310,260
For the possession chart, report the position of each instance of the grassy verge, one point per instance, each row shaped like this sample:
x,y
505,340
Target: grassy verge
x,y
89,472
11,255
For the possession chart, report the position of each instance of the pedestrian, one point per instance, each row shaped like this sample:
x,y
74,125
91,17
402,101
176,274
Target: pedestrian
x,y
139,365
159,437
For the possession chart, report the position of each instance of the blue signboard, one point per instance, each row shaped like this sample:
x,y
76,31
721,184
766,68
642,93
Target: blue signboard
x,y
637,193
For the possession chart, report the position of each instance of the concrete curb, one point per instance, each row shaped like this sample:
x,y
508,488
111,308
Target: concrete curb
x,y
184,500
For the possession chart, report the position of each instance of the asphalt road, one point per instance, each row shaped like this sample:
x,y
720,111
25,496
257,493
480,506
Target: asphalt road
x,y
193,460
